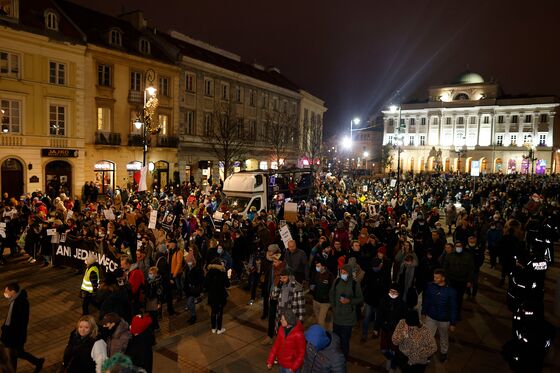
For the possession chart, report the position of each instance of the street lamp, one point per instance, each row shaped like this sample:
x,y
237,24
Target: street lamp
x,y
145,120
366,155
460,151
531,156
399,140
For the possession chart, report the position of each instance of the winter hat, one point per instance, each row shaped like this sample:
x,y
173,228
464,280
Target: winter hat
x,y
140,323
290,317
348,268
412,318
110,317
317,336
382,250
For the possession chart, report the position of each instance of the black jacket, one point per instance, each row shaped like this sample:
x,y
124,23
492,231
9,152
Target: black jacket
x,y
140,349
77,355
193,281
215,283
389,313
15,334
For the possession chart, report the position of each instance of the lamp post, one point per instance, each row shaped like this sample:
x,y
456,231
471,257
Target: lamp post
x,y
366,155
399,141
531,150
145,120
460,151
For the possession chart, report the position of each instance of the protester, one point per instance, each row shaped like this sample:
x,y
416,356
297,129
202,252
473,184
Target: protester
x,y
289,346
216,284
116,333
90,283
154,296
323,353
391,310
140,346
85,351
289,296
415,342
320,285
14,329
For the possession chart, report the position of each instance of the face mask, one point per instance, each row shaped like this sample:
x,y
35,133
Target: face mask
x,y
190,264
139,236
318,269
459,250
344,277
393,296
151,276
220,251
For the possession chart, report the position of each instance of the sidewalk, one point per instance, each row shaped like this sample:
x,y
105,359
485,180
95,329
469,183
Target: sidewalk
x,y
55,307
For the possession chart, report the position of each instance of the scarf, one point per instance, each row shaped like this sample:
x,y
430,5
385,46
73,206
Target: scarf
x,y
9,317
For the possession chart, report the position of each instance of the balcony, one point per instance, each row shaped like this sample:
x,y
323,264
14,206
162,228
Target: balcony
x,y
136,97
167,141
107,138
135,140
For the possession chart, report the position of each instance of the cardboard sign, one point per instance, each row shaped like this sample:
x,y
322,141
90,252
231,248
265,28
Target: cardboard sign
x,y
286,235
51,232
153,219
290,212
109,215
475,168
364,188
393,183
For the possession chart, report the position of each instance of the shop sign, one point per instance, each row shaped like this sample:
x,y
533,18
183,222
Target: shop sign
x,y
104,166
34,179
59,153
134,166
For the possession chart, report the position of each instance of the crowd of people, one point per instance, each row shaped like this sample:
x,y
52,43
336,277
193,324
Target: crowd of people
x,y
361,253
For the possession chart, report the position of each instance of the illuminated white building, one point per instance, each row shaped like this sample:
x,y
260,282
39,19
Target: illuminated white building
x,y
470,120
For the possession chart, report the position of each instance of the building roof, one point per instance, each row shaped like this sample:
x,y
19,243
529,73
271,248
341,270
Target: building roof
x,y
269,75
96,26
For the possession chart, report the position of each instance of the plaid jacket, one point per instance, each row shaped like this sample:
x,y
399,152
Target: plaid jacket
x,y
295,301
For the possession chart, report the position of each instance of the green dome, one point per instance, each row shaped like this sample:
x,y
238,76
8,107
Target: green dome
x,y
469,78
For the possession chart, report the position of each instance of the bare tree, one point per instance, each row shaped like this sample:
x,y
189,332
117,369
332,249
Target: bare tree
x,y
386,157
281,134
313,143
226,136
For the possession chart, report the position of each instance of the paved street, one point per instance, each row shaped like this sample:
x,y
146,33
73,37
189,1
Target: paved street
x,y
55,306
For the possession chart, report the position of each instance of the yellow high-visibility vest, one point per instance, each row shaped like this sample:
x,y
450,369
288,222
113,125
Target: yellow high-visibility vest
x,y
86,283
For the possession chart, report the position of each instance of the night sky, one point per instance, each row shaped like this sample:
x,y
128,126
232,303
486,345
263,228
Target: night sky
x,y
361,55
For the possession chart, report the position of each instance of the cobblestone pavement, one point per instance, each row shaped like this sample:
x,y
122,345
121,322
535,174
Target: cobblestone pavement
x,y
55,307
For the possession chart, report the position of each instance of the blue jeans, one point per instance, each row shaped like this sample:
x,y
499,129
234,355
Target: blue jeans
x,y
191,305
370,313
286,370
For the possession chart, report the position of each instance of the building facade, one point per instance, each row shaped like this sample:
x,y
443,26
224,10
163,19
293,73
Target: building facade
x,y
470,120
73,85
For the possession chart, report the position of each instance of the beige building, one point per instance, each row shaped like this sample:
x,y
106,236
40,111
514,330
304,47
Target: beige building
x,y
42,100
470,120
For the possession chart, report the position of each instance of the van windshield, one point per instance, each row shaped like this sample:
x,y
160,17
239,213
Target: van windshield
x,y
234,203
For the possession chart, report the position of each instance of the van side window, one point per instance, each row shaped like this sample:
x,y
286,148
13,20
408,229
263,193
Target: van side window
x,y
258,180
257,203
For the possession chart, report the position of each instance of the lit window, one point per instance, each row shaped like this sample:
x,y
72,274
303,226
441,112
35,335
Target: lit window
x,y
542,139
104,119
57,73
57,120
9,65
10,115
163,121
51,20
144,46
115,38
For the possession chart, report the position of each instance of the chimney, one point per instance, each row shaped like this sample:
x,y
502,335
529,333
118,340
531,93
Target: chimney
x,y
136,19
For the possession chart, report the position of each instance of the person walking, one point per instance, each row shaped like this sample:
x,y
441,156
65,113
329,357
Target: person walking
x,y
296,261
141,343
116,333
216,284
459,271
345,296
323,353
154,296
14,330
289,295
439,305
85,352
320,285
90,283
192,285
289,346
416,344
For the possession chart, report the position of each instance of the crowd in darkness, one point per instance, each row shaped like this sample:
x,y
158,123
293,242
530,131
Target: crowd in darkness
x,y
397,267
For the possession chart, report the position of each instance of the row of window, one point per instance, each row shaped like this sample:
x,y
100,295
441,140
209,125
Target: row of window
x,y
238,93
190,126
499,140
472,120
12,111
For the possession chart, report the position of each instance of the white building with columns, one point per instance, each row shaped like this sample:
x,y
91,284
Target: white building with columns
x,y
470,120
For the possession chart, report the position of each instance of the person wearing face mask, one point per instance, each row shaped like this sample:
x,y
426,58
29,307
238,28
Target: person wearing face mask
x,y
14,330
90,283
116,333
163,264
493,237
154,295
459,270
391,309
192,284
320,285
345,296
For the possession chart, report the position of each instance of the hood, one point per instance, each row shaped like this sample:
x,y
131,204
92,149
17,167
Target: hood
x,y
219,267
139,324
318,337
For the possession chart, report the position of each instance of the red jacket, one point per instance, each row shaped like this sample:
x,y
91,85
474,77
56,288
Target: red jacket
x,y
136,281
290,350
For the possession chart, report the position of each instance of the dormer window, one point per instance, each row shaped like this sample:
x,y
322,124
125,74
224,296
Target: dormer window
x,y
115,38
144,46
461,96
51,20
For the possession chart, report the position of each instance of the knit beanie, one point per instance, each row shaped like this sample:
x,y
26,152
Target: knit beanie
x,y
290,317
